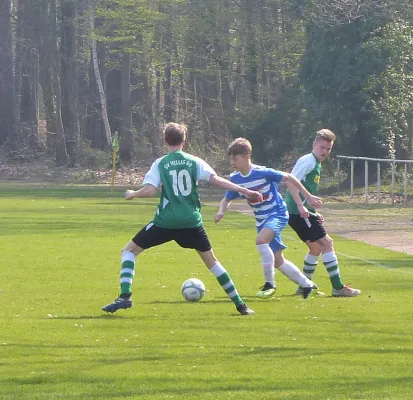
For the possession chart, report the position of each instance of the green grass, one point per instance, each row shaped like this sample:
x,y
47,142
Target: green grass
x,y
59,263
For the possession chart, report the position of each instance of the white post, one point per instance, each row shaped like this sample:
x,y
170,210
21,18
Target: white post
x,y
351,178
393,165
366,180
405,185
378,183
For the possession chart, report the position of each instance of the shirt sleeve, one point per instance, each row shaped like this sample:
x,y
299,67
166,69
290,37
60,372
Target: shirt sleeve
x,y
153,177
204,170
303,166
274,176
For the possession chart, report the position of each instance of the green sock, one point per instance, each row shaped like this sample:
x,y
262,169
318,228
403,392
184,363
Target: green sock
x,y
127,272
331,263
226,283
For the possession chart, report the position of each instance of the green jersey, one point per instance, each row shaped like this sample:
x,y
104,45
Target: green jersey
x,y
307,170
178,174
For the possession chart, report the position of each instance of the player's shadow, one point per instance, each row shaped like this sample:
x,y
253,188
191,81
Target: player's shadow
x,y
215,301
86,317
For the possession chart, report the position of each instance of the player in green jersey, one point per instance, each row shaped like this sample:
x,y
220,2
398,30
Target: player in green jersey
x,y
308,224
178,215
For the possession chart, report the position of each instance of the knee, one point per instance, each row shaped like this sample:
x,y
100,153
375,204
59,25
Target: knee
x,y
314,248
259,241
327,244
124,250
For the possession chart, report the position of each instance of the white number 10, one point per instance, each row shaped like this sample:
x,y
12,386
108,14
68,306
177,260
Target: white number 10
x,y
178,184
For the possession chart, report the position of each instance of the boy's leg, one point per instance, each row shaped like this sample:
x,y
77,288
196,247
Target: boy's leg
x,y
331,264
224,279
265,236
127,272
197,239
311,259
291,271
147,237
267,262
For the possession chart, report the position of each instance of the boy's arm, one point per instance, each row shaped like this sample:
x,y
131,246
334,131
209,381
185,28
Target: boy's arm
x,y
151,181
294,185
295,194
147,191
223,183
223,206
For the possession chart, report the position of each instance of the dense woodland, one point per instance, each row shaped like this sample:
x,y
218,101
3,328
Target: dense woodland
x,y
73,72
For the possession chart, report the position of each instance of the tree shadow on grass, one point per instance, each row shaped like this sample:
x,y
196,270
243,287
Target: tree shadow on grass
x,y
98,387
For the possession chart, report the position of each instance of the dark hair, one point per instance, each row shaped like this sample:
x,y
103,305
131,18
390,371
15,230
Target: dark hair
x,y
174,133
239,146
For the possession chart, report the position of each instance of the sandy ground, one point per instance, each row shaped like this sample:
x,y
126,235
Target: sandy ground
x,y
391,228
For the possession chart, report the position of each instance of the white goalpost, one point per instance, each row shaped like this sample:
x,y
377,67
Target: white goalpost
x,y
378,161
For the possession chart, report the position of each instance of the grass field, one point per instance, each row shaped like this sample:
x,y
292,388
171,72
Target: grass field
x,y
59,264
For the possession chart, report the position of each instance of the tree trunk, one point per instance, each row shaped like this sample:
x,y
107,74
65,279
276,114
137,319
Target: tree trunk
x,y
44,30
168,110
69,82
98,78
27,75
125,131
95,130
7,92
251,55
54,78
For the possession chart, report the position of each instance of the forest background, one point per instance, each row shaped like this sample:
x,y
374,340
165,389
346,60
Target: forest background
x,y
74,72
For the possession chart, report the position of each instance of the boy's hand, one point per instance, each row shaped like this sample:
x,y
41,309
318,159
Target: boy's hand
x,y
314,201
303,211
255,197
320,217
129,194
218,217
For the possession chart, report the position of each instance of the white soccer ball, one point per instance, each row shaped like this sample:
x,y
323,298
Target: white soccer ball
x,y
193,289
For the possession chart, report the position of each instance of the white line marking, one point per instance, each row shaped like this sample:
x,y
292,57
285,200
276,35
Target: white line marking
x,y
364,260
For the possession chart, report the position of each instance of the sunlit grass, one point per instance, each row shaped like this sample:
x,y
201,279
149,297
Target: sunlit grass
x,y
59,263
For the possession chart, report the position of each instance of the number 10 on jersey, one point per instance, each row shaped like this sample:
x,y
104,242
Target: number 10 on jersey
x,y
181,182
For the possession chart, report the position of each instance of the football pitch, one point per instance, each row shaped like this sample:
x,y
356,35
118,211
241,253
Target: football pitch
x,y
59,264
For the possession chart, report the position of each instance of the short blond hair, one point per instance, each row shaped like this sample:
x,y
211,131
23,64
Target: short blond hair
x,y
239,146
325,134
175,134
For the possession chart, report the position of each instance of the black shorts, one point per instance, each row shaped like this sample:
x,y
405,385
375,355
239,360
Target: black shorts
x,y
189,238
313,233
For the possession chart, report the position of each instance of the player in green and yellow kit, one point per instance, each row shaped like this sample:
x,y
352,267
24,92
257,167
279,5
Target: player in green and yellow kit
x,y
178,215
309,224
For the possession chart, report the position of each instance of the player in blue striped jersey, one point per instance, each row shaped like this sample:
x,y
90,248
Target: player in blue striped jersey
x,y
271,215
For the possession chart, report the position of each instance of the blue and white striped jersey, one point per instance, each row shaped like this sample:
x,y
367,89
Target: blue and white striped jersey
x,y
264,180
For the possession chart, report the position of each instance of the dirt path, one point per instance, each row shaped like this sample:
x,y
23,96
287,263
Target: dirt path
x,y
390,228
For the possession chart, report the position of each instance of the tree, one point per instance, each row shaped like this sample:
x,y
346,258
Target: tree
x,y
7,92
27,76
69,85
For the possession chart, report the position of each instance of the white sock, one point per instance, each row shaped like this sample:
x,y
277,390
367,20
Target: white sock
x,y
218,269
292,272
329,257
267,262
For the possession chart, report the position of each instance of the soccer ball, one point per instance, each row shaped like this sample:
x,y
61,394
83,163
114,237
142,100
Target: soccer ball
x,y
193,289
